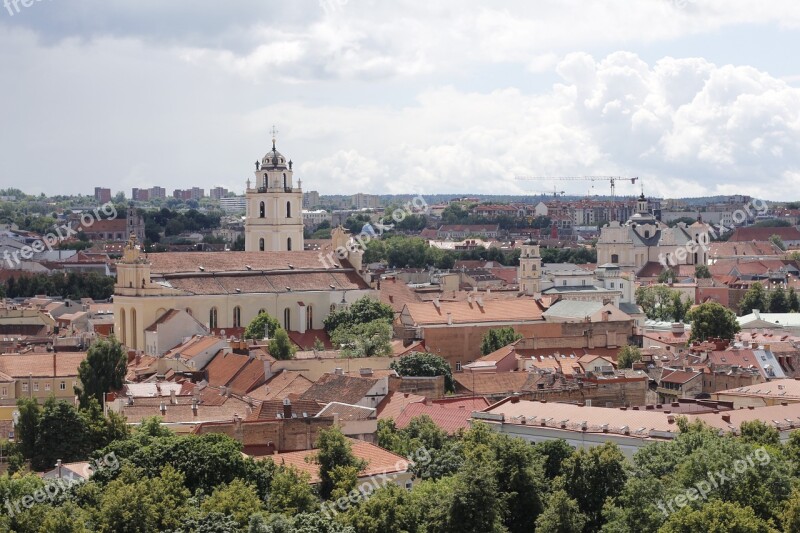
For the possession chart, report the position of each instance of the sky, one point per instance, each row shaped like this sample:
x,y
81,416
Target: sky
x,y
693,97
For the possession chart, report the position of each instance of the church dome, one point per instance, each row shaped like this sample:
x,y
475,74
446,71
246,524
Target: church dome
x,y
274,159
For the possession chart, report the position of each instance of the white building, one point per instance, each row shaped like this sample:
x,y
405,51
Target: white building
x,y
234,204
315,218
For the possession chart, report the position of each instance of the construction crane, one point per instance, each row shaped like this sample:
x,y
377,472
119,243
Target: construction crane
x,y
611,179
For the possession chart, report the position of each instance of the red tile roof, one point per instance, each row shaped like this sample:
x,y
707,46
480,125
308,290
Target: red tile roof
x,y
449,419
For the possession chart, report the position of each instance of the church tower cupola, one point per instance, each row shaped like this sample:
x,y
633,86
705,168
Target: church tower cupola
x,y
274,220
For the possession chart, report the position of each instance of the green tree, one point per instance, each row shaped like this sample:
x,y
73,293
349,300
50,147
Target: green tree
x,y
716,517
102,371
371,339
702,272
759,433
520,482
26,427
361,311
628,355
256,328
476,506
754,298
592,476
778,302
792,301
334,451
667,276
423,364
659,302
281,346
290,492
62,434
712,320
494,339
236,499
554,452
777,241
562,515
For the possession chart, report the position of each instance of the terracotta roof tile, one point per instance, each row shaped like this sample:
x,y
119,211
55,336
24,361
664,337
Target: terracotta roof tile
x,y
449,419
469,312
336,388
55,364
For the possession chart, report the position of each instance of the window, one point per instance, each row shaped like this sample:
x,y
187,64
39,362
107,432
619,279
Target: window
x,y
62,385
458,366
237,317
24,387
36,386
287,319
4,392
212,318
612,284
47,387
288,209
289,244
620,285
262,210
564,283
583,282
260,245
614,258
309,317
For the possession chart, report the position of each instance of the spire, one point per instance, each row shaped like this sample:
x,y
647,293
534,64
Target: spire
x,y
274,134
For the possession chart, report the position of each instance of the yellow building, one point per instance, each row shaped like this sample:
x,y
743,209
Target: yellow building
x,y
228,289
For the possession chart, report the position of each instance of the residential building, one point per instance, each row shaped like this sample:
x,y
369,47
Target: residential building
x,y
217,193
233,205
102,195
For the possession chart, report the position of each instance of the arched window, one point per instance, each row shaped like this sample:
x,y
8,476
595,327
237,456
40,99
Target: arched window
x,y
237,317
260,245
333,308
309,317
288,209
122,327
133,329
284,181
262,311
262,210
212,318
289,244
287,319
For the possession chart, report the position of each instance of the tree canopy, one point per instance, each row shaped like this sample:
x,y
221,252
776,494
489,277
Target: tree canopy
x,y
496,338
102,371
423,364
711,319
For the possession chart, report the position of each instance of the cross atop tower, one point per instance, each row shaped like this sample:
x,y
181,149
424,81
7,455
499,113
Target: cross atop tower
x,y
274,133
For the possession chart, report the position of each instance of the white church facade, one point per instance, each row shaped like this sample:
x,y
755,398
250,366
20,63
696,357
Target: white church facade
x,y
643,239
226,290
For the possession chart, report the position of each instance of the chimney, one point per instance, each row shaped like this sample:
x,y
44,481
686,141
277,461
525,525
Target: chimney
x,y
677,328
726,418
173,399
287,408
163,408
338,371
449,318
365,372
194,406
671,419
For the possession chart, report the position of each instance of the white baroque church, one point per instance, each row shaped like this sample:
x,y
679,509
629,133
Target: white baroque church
x,y
226,290
643,239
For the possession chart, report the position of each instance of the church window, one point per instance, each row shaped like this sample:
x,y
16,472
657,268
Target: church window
x,y
309,317
260,245
288,209
289,244
287,319
237,317
614,258
212,318
646,233
262,210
